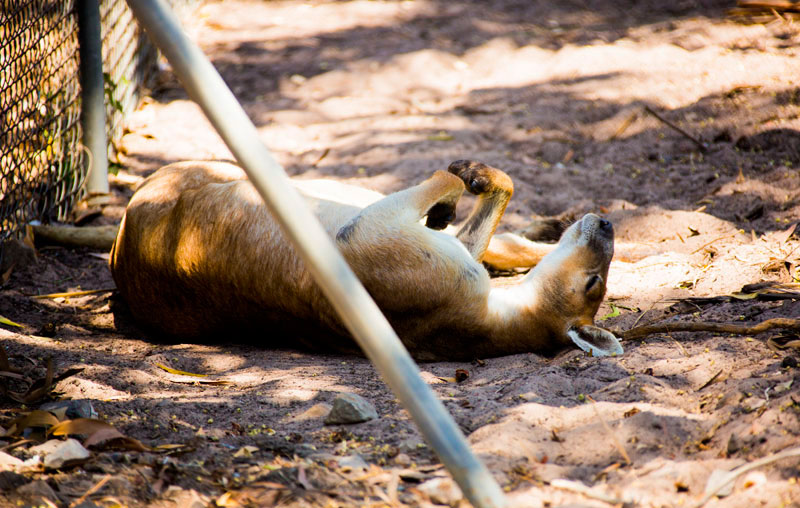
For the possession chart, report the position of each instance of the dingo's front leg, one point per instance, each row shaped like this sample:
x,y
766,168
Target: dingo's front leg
x,y
493,188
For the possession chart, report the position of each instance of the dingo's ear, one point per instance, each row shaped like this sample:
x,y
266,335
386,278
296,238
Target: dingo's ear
x,y
595,340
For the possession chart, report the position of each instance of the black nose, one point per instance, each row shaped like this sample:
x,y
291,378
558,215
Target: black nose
x,y
605,225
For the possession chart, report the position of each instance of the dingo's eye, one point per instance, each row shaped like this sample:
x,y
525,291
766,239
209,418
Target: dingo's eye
x,y
593,282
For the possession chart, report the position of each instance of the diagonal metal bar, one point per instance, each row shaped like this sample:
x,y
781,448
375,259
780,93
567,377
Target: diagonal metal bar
x,y
356,308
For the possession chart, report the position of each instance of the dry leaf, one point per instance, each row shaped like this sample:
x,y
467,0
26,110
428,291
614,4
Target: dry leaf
x,y
782,343
114,439
37,418
80,426
99,434
179,372
4,320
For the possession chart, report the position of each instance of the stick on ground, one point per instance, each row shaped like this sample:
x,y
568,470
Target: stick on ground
x,y
764,326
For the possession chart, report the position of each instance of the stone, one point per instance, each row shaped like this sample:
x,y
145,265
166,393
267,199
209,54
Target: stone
x,y
350,408
58,454
38,489
553,151
10,481
442,491
402,460
352,462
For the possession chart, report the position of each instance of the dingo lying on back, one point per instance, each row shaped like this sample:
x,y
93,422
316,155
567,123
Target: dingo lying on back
x,y
198,255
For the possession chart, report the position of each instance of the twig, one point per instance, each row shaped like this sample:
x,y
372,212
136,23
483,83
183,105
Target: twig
x,y
611,434
683,349
71,294
734,474
91,491
319,159
580,488
645,312
712,241
764,326
688,136
710,380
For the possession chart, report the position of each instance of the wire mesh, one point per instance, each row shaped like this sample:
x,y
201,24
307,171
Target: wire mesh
x,y
129,61
41,160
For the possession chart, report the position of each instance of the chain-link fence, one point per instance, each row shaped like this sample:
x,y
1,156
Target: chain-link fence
x,y
42,163
41,160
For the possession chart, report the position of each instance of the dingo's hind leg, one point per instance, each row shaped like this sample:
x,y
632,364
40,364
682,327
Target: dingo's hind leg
x,y
436,197
493,188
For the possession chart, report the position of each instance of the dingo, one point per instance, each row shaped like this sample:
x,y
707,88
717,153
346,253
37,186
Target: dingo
x,y
198,255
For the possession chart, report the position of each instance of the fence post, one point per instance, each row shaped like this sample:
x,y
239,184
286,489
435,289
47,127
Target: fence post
x,y
93,112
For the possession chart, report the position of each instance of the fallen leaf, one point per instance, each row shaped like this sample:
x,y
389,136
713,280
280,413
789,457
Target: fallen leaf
x,y
783,387
302,478
441,136
630,412
210,382
614,313
179,372
34,419
783,343
80,426
4,320
245,451
113,439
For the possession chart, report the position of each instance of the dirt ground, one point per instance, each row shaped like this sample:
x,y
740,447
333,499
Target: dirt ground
x,y
577,101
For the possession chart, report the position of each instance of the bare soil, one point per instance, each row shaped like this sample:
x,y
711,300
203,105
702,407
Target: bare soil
x,y
561,95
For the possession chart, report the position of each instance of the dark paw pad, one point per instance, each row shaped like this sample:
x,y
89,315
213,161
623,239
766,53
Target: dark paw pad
x,y
480,178
440,215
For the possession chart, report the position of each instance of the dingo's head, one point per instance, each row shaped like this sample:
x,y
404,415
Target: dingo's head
x,y
572,281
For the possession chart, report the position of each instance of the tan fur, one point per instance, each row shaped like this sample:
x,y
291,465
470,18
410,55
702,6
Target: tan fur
x,y
199,256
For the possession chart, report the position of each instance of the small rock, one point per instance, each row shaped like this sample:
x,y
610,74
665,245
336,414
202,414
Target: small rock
x,y
733,445
402,460
10,481
789,362
753,403
70,409
38,489
553,151
352,462
58,454
410,444
32,463
442,491
9,462
350,408
314,412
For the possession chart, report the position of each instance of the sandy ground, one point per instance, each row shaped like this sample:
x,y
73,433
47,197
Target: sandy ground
x,y
559,95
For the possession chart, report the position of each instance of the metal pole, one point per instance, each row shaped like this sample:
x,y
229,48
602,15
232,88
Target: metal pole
x,y
93,113
356,308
